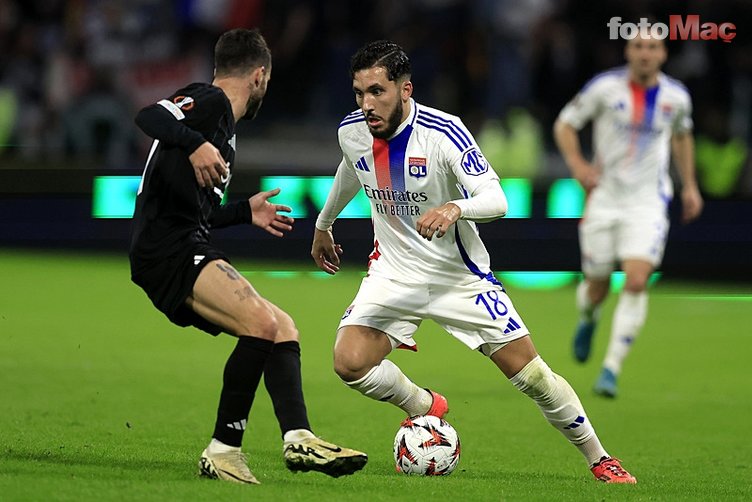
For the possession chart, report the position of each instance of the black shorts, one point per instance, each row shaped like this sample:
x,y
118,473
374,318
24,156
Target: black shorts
x,y
169,281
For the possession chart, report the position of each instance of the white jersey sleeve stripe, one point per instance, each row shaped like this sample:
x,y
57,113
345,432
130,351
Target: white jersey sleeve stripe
x,y
454,126
354,120
458,132
445,130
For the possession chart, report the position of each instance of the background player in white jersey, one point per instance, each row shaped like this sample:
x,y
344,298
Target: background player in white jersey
x,y
428,183
639,114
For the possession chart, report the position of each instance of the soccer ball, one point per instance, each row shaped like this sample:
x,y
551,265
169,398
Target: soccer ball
x,y
426,445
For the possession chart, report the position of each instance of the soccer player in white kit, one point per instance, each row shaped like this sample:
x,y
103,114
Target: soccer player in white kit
x,y
638,115
428,183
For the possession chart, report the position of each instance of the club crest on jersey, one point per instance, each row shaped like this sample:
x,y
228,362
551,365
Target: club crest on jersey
x,y
416,167
184,102
473,162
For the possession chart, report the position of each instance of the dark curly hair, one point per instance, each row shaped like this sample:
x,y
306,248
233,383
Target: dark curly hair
x,y
240,50
384,53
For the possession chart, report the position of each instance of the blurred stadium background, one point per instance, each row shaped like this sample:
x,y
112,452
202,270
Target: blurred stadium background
x,y
73,73
102,402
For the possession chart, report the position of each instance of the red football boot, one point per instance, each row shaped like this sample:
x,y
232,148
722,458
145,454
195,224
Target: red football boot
x,y
609,470
439,407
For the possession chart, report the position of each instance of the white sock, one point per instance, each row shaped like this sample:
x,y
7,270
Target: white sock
x,y
588,311
561,407
629,317
297,435
216,446
386,382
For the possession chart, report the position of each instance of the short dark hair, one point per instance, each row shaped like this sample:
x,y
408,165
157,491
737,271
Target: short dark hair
x,y
382,53
240,50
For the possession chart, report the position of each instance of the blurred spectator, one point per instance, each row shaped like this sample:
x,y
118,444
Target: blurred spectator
x,y
509,29
98,124
514,146
73,71
723,160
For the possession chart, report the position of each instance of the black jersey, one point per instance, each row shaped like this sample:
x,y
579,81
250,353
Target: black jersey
x,y
172,210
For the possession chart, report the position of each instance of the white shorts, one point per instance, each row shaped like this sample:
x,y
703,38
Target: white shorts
x,y
610,236
480,315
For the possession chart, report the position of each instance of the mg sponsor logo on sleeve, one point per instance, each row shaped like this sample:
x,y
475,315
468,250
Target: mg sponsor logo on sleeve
x,y
473,162
678,28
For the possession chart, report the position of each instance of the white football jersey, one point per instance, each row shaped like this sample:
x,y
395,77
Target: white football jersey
x,y
632,128
431,159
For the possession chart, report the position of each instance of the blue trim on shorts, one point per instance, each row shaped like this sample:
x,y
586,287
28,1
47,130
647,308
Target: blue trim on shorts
x,y
471,265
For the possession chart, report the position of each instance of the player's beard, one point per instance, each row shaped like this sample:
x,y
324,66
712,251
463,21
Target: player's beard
x,y
252,108
391,123
645,70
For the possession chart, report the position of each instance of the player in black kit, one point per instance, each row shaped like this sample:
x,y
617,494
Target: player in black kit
x,y
194,284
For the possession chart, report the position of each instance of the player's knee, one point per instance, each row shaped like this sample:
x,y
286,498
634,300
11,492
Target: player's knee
x,y
346,374
260,323
286,329
636,284
597,290
267,327
351,365
288,333
599,295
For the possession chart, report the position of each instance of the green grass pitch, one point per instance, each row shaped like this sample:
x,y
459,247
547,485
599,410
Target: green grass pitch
x,y
103,399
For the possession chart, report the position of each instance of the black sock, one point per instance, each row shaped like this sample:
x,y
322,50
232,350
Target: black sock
x,y
241,379
283,382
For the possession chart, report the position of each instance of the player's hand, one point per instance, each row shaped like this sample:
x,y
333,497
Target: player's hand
x,y
692,203
587,174
437,220
208,165
325,252
265,215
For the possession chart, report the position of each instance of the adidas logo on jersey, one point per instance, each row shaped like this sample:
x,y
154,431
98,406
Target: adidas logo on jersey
x,y
511,326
